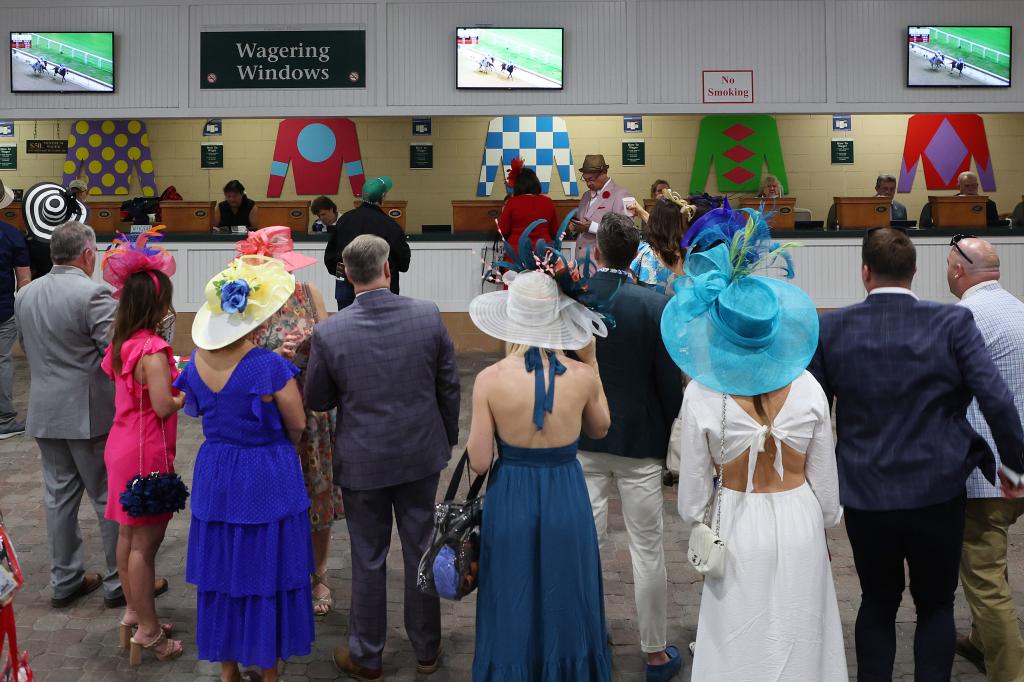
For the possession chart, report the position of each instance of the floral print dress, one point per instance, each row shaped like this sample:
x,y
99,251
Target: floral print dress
x,y
316,449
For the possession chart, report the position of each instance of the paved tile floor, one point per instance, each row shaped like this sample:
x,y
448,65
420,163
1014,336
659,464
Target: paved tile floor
x,y
80,643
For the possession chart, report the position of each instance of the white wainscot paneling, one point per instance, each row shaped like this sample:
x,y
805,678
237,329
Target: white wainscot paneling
x,y
448,273
782,41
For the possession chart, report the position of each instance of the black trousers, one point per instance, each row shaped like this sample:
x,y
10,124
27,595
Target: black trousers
x,y
929,540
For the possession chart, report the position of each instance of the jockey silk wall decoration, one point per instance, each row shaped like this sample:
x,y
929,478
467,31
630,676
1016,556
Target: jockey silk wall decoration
x,y
317,149
541,141
107,152
739,146
946,143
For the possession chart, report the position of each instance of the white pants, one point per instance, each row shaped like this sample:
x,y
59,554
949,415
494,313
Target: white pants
x,y
639,485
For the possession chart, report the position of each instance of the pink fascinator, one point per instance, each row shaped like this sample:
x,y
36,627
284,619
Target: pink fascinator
x,y
125,256
274,242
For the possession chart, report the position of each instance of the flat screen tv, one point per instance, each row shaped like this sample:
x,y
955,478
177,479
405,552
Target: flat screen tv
x,y
75,62
959,56
491,58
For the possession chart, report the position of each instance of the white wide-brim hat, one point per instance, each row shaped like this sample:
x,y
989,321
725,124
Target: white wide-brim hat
x,y
533,311
270,287
6,195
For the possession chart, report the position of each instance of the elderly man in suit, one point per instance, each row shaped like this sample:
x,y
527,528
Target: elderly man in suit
x,y
994,644
903,372
604,196
644,389
64,321
386,362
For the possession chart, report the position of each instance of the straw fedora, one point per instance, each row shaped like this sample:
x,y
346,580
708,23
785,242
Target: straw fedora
x,y
593,163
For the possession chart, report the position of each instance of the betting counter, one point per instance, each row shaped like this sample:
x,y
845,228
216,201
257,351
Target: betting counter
x,y
446,268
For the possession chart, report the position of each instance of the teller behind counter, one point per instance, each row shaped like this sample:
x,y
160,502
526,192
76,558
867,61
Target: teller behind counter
x,y
236,209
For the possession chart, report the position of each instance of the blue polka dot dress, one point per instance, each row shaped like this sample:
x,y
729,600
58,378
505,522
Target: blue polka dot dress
x,y
250,554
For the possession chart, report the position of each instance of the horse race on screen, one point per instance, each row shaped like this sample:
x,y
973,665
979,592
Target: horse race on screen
x,y
522,58
971,56
62,62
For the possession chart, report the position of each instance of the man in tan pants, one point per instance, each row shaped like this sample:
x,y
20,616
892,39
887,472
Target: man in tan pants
x,y
994,645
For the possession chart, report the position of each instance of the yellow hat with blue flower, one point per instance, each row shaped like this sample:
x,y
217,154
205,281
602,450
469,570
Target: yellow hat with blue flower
x,y
239,299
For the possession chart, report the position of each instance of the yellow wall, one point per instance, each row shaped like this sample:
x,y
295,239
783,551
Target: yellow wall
x,y
458,147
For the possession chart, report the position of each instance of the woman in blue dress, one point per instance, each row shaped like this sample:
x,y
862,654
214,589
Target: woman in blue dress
x,y
540,609
250,554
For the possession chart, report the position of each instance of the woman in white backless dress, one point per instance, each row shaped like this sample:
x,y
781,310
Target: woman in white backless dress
x,y
773,615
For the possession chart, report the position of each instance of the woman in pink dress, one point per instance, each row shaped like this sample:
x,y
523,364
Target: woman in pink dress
x,y
142,439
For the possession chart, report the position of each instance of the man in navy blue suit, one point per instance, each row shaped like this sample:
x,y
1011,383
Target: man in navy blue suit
x,y
903,372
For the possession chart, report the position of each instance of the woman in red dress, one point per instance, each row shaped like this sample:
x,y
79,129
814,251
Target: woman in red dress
x,y
526,205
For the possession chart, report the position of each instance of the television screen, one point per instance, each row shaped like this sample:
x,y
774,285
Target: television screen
x,y
958,56
62,62
509,58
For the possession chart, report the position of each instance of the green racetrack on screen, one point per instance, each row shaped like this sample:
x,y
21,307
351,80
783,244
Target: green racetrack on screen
x,y
62,62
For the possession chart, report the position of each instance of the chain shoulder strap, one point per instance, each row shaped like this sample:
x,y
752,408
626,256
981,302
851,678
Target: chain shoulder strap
x,y
716,496
163,434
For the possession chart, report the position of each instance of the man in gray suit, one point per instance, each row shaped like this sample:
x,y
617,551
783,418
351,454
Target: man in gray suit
x,y
386,362
64,321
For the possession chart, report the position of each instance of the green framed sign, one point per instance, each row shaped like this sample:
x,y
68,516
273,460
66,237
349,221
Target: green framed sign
x,y
8,157
634,153
842,151
421,155
243,60
211,155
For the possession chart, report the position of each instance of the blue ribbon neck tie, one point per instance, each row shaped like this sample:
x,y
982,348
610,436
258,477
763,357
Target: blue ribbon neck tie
x,y
543,401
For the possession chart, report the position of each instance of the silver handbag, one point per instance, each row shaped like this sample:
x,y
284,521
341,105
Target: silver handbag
x,y
706,550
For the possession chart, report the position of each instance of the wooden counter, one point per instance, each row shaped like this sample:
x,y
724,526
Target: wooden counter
x,y
967,212
479,215
782,216
858,213
187,217
294,214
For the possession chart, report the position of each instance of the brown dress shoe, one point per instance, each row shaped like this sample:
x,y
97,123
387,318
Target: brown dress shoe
x,y
966,649
343,659
431,666
90,583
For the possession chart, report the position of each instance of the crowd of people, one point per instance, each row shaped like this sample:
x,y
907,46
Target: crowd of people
x,y
669,347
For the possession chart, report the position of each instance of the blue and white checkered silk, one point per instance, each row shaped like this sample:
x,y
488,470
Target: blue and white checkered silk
x,y
1000,318
541,141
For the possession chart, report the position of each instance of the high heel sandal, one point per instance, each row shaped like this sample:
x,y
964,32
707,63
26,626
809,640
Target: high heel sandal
x,y
126,630
326,603
176,649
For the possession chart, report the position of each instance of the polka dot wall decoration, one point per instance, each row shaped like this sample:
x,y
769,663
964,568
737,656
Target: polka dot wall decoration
x,y
109,152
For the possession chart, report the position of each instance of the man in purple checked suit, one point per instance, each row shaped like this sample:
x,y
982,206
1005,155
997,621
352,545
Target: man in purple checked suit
x,y
604,196
386,362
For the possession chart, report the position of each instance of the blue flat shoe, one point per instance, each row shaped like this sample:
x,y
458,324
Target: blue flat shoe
x,y
665,671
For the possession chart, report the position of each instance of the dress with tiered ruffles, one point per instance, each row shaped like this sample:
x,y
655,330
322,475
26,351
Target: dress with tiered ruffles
x,y
249,549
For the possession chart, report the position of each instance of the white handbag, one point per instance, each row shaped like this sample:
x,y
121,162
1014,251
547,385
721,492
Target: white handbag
x,y
706,551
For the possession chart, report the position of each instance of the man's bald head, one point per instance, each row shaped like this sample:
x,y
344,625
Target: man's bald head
x,y
967,182
974,262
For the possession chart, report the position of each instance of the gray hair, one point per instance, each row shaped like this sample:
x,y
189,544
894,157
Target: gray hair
x,y
71,240
364,258
884,177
